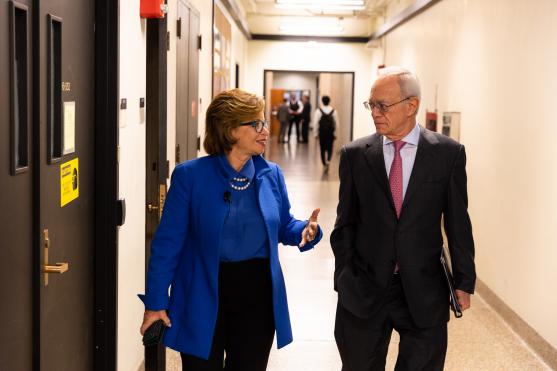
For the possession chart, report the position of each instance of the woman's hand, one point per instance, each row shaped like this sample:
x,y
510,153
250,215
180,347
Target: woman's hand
x,y
310,231
151,316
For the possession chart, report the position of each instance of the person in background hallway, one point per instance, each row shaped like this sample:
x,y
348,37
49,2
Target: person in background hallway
x,y
305,117
326,118
295,109
217,246
284,118
395,187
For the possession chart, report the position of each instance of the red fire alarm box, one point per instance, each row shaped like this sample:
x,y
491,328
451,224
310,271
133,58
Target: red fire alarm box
x,y
152,9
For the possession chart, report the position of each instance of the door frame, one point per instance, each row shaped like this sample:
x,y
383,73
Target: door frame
x,y
108,212
318,71
156,146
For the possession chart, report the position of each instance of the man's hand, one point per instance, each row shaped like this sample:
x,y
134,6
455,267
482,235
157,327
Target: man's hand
x,y
151,316
463,299
310,231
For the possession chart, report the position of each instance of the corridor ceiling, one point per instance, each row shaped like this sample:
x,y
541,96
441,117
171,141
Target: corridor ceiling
x,y
330,18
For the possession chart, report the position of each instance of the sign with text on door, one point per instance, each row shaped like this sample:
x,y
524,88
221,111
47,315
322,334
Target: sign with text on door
x,y
69,181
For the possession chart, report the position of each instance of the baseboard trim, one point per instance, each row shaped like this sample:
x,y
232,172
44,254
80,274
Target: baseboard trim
x,y
534,340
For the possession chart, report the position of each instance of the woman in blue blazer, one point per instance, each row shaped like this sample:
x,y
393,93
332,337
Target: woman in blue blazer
x,y
216,247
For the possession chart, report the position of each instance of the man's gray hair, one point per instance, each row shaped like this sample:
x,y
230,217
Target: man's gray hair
x,y
407,80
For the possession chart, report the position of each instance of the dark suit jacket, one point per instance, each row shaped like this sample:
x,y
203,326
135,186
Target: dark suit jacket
x,y
368,238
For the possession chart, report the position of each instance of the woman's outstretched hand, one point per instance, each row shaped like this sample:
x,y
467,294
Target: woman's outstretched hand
x,y
311,229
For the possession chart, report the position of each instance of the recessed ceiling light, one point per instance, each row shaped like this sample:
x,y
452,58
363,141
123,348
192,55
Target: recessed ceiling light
x,y
321,2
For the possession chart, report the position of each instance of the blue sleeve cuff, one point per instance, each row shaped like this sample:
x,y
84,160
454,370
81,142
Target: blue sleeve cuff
x,y
154,302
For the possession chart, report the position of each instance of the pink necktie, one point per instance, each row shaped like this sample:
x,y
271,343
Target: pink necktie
x,y
395,181
395,177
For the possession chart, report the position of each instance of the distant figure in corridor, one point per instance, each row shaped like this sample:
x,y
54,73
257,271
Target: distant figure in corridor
x,y
284,118
305,118
326,118
217,246
295,109
395,187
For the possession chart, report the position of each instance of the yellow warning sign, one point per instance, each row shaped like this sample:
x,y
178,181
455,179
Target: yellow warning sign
x,y
69,182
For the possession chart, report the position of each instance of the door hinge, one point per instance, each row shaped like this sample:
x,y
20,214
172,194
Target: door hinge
x,y
199,38
198,142
167,40
177,159
179,28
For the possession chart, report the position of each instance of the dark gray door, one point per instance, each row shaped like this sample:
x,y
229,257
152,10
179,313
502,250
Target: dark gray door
x,y
46,184
187,82
66,182
16,187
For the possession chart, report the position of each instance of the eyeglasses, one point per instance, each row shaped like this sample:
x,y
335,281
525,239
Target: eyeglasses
x,y
258,125
382,107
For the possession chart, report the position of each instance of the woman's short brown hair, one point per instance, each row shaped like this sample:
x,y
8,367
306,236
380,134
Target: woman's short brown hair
x,y
226,112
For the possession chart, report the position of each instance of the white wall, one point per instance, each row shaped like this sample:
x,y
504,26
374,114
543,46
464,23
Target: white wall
x,y
131,237
494,61
296,81
301,56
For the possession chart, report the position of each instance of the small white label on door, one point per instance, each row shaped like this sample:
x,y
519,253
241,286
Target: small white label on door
x,y
69,127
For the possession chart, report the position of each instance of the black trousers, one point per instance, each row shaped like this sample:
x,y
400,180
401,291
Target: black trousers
x,y
326,144
363,342
295,120
245,324
305,129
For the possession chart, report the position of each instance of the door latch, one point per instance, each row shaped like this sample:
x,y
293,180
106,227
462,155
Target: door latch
x,y
57,268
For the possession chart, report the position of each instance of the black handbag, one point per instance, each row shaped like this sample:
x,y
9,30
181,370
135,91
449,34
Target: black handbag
x,y
153,334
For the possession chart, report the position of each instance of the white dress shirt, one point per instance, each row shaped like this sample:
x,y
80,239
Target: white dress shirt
x,y
407,153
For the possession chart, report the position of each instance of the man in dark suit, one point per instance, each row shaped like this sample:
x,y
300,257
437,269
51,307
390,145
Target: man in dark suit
x,y
395,187
305,118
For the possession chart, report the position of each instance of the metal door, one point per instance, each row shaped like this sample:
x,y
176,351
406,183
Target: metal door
x,y
187,82
65,182
16,187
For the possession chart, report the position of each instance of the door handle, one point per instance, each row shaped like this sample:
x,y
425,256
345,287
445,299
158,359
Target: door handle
x,y
57,268
152,208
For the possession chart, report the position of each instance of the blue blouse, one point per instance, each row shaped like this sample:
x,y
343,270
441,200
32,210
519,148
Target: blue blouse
x,y
243,234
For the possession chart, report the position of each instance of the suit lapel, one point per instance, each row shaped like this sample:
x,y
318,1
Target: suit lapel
x,y
376,161
422,163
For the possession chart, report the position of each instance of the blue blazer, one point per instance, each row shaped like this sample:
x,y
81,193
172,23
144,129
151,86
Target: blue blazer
x,y
185,250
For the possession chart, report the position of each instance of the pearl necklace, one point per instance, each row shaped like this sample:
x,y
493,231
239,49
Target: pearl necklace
x,y
240,180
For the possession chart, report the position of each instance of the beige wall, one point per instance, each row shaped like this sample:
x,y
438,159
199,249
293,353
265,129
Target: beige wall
x,y
131,236
494,61
339,87
299,56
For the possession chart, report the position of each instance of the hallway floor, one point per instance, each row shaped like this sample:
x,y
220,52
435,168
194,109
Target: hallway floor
x,y
478,341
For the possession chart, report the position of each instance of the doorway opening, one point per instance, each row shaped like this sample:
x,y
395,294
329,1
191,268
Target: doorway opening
x,y
308,88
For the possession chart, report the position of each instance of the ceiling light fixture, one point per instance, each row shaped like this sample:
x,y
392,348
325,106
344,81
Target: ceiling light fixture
x,y
320,26
309,30
322,2
319,7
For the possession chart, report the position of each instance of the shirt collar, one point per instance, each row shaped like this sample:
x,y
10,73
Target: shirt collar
x,y
248,171
412,137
